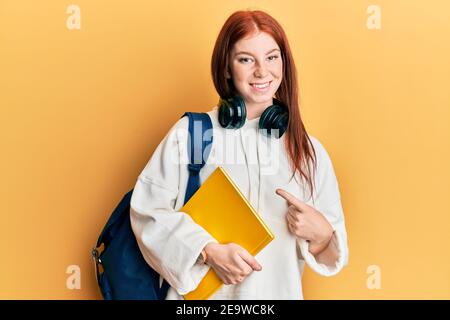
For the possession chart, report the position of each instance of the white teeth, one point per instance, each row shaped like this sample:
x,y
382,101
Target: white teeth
x,y
261,86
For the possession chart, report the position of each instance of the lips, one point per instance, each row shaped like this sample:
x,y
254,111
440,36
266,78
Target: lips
x,y
261,86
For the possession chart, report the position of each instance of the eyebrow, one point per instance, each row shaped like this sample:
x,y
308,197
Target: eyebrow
x,y
248,53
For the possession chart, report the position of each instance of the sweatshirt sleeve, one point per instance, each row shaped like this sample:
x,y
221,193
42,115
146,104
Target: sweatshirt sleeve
x,y
169,240
328,202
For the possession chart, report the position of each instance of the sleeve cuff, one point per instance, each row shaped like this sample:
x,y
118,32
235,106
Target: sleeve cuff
x,y
321,268
189,278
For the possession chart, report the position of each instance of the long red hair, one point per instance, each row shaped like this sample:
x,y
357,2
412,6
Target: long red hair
x,y
240,24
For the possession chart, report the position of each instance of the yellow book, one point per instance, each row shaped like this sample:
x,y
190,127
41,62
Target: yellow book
x,y
222,210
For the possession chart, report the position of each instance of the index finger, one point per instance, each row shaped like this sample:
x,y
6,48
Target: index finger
x,y
291,199
250,260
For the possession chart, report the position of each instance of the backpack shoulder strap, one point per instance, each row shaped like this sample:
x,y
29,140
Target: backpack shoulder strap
x,y
200,140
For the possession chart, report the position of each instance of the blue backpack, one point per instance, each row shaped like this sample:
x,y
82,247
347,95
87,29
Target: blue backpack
x,y
121,270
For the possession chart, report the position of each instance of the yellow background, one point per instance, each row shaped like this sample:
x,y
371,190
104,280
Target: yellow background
x,y
82,111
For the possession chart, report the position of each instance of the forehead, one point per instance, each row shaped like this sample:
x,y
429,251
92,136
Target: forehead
x,y
256,43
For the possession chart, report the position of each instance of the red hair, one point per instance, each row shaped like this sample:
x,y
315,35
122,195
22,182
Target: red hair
x,y
240,24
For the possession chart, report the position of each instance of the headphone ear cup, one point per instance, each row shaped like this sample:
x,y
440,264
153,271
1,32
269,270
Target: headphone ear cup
x,y
281,122
240,112
226,113
232,113
274,117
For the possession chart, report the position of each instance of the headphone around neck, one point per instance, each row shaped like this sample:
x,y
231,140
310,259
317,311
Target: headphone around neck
x,y
232,115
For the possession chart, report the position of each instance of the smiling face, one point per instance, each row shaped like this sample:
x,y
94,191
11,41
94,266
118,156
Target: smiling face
x,y
256,70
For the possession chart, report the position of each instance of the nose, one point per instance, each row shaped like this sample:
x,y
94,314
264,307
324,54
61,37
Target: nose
x,y
260,70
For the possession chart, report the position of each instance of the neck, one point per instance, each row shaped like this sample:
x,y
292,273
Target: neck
x,y
255,110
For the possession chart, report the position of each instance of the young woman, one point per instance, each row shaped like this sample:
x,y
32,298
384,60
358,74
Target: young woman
x,y
260,140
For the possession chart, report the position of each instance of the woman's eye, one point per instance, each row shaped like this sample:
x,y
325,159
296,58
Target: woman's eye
x,y
271,58
244,60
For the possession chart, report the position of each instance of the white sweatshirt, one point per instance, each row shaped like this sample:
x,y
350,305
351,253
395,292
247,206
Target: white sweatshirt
x,y
171,241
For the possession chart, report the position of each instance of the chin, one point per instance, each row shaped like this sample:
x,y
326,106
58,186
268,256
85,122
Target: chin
x,y
262,99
